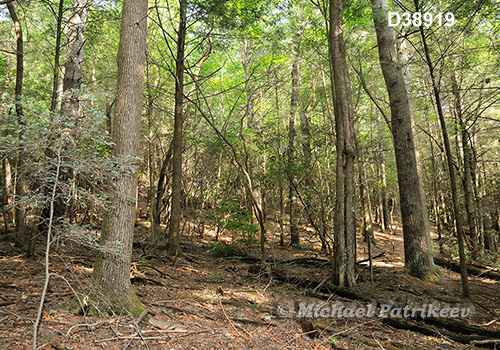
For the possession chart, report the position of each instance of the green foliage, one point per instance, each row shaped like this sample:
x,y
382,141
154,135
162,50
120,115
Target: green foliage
x,y
231,216
224,250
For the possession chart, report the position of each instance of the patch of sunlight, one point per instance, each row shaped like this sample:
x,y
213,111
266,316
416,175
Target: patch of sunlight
x,y
389,236
18,258
387,264
83,268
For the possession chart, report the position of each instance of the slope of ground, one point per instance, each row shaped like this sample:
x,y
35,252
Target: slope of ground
x,y
225,303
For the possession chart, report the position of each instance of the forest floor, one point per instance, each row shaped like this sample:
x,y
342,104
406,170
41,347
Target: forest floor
x,y
226,302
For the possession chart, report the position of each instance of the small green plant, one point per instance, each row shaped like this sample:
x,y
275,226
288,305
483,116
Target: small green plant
x,y
231,216
223,250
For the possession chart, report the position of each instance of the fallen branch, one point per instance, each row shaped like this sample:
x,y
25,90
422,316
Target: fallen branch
x,y
473,269
419,327
350,334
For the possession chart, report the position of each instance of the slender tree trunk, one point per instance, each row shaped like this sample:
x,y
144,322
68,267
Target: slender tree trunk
x,y
21,176
173,243
7,192
111,287
57,55
467,180
417,243
367,219
451,169
345,229
292,145
437,213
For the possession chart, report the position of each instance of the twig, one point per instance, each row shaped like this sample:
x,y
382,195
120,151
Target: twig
x,y
230,322
47,250
132,337
87,325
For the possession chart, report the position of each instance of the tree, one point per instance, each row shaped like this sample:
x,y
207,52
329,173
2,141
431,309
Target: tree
x,y
345,227
110,286
417,243
21,183
449,161
173,246
292,142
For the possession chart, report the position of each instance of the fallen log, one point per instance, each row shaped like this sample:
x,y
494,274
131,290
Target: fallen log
x,y
423,328
459,326
454,329
472,269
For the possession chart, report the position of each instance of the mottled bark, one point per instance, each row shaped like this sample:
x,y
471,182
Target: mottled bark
x,y
111,287
73,66
417,243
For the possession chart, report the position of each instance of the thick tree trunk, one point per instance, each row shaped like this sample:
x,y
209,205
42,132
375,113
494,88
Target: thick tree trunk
x,y
173,238
21,176
292,145
417,243
110,286
345,230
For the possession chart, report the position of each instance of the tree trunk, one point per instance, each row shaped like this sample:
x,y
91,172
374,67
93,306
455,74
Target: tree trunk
x,y
21,176
70,101
73,67
173,238
7,192
451,169
292,145
345,229
437,213
467,179
367,219
111,287
57,55
417,243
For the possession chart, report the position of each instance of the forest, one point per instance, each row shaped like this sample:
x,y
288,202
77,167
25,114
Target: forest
x,y
249,174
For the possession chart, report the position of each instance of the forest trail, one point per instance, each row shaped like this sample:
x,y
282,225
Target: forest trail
x,y
222,303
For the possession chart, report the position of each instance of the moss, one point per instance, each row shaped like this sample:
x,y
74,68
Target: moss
x,y
91,304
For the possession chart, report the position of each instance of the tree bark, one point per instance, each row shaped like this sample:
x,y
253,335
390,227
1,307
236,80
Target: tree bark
x,y
173,238
449,160
70,102
21,183
417,243
292,145
73,66
110,286
467,178
345,229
